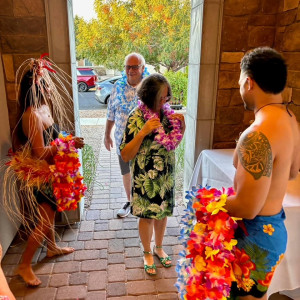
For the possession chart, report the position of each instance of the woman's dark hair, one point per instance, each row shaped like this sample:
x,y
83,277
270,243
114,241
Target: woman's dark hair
x,y
150,89
25,99
267,68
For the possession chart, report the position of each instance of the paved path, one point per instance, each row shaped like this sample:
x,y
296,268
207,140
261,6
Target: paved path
x,y
107,263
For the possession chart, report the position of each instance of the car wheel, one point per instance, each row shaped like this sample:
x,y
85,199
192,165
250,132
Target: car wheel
x,y
82,87
107,99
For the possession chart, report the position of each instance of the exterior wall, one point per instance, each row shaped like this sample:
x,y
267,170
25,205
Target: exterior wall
x,y
221,32
23,34
288,42
7,228
246,25
204,57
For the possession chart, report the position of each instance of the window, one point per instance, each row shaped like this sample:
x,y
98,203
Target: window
x,y
86,72
114,80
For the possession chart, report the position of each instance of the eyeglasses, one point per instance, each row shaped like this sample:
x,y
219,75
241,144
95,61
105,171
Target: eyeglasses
x,y
167,98
134,67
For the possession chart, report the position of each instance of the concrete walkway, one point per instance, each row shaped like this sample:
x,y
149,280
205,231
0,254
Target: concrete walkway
x,y
107,263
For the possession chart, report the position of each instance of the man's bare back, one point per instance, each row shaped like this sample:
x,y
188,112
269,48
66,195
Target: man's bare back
x,y
282,139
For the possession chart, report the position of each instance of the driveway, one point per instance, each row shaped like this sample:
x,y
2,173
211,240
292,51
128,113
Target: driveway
x,y
87,101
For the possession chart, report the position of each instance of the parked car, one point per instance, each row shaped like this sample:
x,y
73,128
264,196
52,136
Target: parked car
x,y
86,79
104,87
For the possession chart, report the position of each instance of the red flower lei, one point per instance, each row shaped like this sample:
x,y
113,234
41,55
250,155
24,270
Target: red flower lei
x,y
67,184
205,270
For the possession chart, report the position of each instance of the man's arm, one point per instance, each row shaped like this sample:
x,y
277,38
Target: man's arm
x,y
253,175
107,138
110,119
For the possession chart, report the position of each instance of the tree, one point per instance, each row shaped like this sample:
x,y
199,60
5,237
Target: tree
x,y
158,29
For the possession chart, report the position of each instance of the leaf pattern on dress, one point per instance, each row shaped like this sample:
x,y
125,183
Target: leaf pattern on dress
x,y
151,187
158,163
152,172
139,182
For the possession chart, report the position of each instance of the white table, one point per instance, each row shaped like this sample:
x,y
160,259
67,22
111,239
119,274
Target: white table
x,y
215,168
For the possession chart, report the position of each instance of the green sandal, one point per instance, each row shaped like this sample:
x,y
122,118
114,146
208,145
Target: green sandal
x,y
147,267
162,260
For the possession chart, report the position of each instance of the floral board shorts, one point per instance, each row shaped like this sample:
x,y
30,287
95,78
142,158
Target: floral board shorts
x,y
260,248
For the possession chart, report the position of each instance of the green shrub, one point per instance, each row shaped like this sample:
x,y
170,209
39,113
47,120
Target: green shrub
x,y
179,155
89,165
179,83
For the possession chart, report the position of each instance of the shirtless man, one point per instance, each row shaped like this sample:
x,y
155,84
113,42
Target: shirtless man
x,y
267,156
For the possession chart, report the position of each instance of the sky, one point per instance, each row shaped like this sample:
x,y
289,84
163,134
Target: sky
x,y
84,8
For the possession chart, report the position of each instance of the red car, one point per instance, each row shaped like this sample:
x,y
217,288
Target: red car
x,y
86,79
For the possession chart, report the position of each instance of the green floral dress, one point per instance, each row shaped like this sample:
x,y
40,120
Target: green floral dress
x,y
152,171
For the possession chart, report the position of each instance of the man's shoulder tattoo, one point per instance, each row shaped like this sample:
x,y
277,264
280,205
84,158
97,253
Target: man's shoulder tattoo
x,y
255,154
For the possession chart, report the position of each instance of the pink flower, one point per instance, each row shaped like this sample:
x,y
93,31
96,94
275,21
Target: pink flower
x,y
169,140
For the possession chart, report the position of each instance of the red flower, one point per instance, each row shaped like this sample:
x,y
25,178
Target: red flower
x,y
242,264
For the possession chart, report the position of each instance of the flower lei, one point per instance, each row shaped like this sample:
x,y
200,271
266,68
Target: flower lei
x,y
67,184
169,140
123,103
64,175
205,267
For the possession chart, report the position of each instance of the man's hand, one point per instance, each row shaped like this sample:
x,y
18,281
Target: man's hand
x,y
79,142
180,117
150,125
108,143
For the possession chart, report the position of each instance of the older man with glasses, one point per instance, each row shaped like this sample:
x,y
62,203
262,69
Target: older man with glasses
x,y
122,101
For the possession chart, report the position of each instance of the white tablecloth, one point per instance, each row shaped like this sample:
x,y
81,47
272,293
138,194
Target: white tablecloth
x,y
215,168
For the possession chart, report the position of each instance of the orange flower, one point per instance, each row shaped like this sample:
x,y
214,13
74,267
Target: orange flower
x,y
200,263
269,229
246,284
242,264
267,280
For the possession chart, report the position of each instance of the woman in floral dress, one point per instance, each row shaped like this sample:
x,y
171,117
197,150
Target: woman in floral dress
x,y
152,133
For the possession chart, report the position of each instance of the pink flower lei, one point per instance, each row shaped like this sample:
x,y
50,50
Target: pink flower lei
x,y
169,140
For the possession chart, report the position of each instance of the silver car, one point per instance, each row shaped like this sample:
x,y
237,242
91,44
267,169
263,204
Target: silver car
x,y
104,87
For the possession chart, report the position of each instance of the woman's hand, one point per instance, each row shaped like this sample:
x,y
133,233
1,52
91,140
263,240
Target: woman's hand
x,y
180,117
79,142
150,125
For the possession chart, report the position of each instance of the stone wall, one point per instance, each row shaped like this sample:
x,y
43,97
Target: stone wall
x,y
23,34
288,42
246,25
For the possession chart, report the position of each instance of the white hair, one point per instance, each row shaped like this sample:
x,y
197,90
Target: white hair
x,y
139,56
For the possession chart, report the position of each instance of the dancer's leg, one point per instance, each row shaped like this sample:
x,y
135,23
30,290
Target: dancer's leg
x,y
34,241
52,248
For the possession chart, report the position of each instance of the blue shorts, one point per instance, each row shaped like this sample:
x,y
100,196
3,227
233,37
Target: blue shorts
x,y
260,248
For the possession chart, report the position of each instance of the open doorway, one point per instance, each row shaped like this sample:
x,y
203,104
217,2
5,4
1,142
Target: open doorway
x,y
166,59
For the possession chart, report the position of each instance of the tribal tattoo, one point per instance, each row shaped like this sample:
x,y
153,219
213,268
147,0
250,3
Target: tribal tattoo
x,y
255,154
